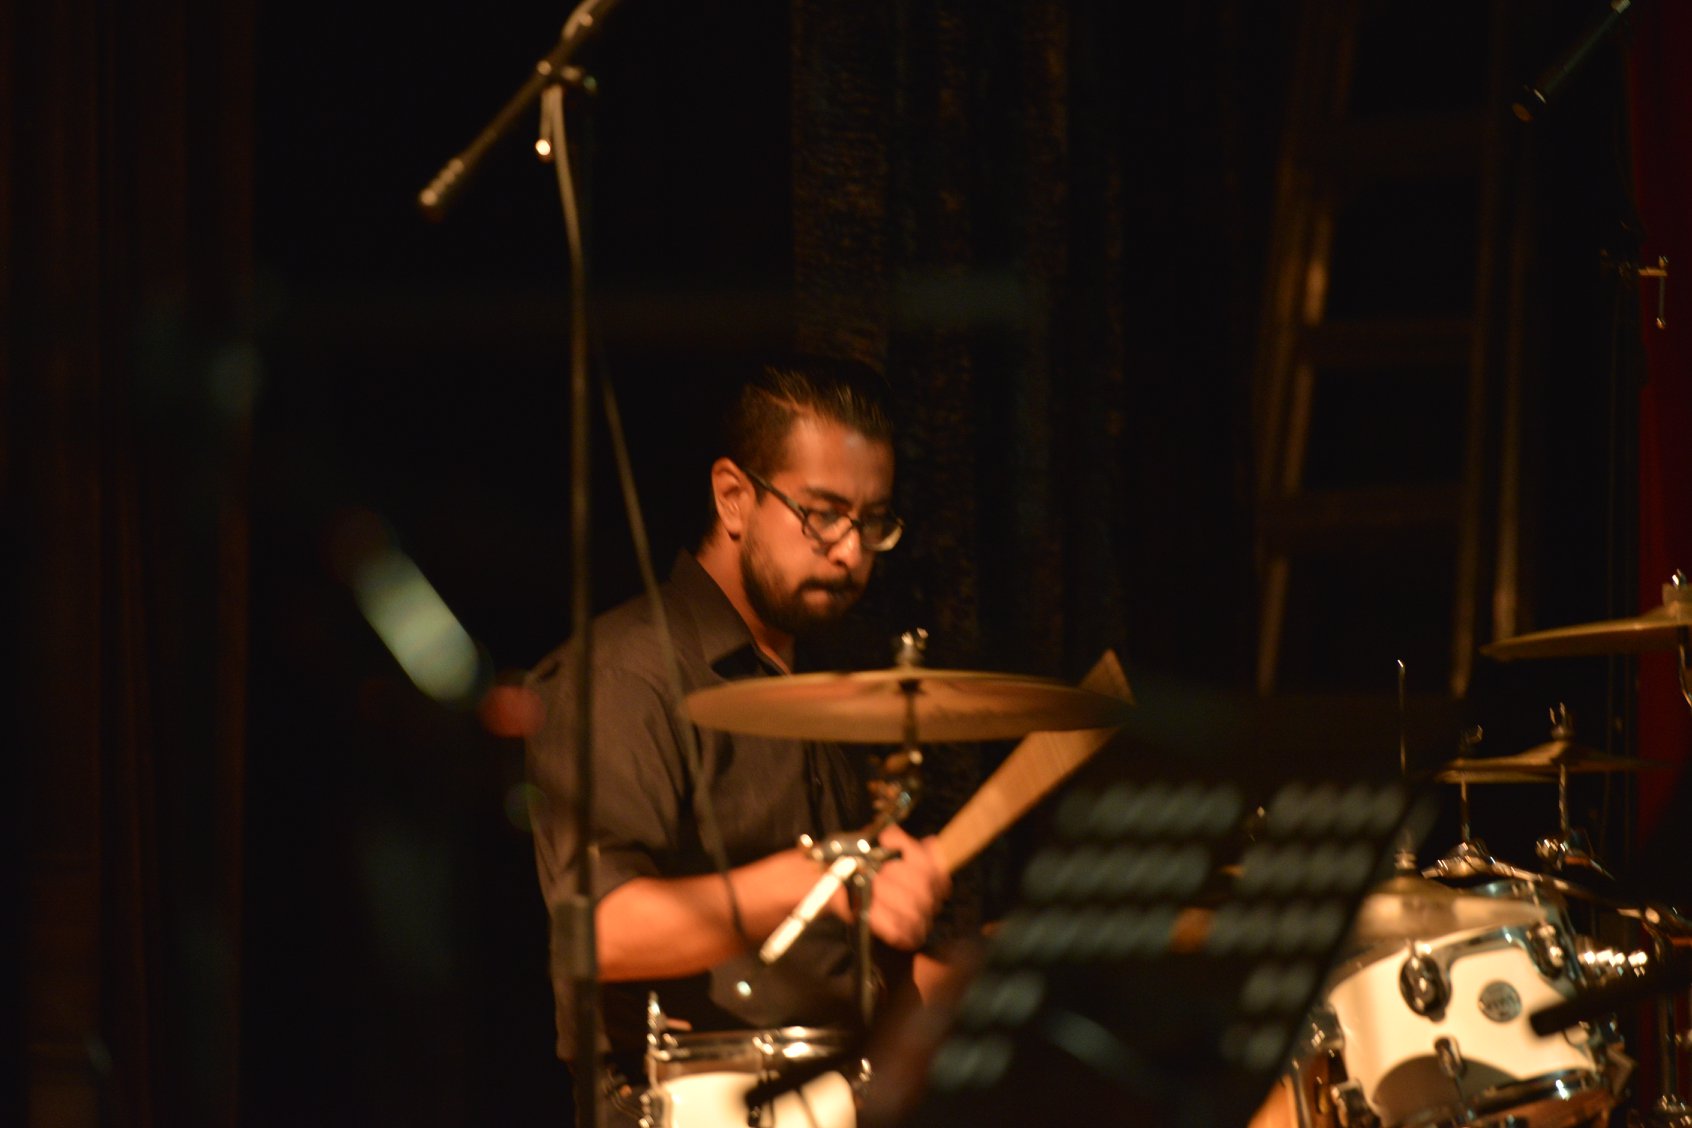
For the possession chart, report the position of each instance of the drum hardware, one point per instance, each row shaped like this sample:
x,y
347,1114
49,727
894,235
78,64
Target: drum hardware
x,y
1321,1055
1454,1046
1542,763
793,1074
855,859
1667,1112
1451,1063
1466,862
1423,984
1569,852
1350,1105
1575,872
1607,966
909,703
1666,627
654,1105
852,860
1545,948
884,706
1409,908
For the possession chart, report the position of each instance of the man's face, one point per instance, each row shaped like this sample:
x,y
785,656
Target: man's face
x,y
794,581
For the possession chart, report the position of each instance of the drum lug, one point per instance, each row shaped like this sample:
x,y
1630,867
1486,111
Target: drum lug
x,y
860,1080
654,1109
1323,1033
1422,982
1351,1106
1545,947
1451,1061
654,1104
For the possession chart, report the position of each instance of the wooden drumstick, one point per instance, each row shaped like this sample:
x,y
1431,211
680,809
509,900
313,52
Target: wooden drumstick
x,y
1037,765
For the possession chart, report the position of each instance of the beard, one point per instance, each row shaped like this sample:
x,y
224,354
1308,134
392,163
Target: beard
x,y
789,611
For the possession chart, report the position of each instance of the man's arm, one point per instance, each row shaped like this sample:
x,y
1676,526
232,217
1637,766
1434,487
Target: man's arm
x,y
655,927
664,928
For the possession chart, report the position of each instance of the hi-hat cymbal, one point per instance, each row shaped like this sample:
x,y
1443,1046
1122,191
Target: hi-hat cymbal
x,y
1539,764
1409,907
1657,629
869,706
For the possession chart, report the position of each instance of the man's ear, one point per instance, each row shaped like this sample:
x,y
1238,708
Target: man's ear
x,y
733,494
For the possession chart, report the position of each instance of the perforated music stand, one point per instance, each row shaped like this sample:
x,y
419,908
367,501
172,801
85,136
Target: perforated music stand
x,y
1130,985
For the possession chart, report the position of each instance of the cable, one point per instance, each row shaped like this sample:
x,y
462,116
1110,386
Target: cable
x,y
709,830
710,833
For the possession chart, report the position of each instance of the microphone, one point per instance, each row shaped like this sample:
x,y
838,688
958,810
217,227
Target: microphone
x,y
581,26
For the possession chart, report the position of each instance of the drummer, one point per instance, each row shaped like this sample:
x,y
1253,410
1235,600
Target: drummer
x,y
801,497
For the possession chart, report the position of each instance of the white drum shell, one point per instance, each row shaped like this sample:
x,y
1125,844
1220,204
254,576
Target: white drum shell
x,y
1391,1051
718,1100
701,1080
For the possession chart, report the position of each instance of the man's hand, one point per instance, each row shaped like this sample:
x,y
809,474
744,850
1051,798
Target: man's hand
x,y
908,891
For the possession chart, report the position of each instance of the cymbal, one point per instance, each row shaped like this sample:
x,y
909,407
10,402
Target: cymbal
x,y
1408,907
1656,629
1540,764
1579,883
869,706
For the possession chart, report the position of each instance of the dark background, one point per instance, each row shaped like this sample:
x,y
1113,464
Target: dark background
x,y
273,883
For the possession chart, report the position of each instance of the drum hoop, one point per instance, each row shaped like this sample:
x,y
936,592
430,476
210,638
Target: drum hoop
x,y
1446,949
742,1051
1565,1086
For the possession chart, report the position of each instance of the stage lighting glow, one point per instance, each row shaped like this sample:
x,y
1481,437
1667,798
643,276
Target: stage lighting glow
x,y
416,625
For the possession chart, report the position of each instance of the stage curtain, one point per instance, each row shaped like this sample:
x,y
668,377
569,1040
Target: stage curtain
x,y
959,224
1661,102
125,202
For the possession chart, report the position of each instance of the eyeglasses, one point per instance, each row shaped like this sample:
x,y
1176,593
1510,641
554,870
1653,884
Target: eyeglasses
x,y
877,533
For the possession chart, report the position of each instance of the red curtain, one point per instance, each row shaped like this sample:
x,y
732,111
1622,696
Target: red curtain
x,y
1660,89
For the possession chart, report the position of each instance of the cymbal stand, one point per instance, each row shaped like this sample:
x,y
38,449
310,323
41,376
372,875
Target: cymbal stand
x,y
1571,848
1470,857
1405,855
1670,1110
1683,653
853,859
1677,599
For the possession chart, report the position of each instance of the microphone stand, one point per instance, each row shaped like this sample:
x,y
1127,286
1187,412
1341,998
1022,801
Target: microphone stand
x,y
437,197
574,922
1536,96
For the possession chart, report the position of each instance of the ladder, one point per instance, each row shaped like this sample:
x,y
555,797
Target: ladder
x,y
1371,390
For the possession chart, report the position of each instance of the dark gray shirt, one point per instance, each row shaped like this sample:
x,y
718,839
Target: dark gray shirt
x,y
765,793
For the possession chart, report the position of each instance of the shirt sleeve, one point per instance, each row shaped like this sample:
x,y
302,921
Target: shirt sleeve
x,y
640,781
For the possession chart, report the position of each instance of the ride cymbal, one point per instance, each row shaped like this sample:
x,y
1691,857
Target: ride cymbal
x,y
1657,629
870,706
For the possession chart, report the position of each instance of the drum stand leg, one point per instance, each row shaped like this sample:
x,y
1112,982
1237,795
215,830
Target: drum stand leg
x,y
863,888
1683,645
1670,1109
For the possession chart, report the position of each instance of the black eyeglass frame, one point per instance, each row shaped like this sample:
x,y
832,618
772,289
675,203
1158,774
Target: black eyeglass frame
x,y
853,524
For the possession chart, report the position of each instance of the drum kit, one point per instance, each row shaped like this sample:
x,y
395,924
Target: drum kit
x,y
1473,991
814,1077
1469,996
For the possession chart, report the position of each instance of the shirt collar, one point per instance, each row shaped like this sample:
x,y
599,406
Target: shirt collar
x,y
723,634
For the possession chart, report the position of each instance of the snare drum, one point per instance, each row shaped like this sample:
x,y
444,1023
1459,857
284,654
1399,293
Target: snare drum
x,y
1435,1031
702,1080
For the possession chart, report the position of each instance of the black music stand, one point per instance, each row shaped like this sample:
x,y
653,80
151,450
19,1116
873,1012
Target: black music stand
x,y
1130,984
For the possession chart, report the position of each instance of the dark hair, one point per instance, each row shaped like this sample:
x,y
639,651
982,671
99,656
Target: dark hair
x,y
839,391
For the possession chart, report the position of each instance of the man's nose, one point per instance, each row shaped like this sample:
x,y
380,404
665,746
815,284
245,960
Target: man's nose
x,y
848,551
